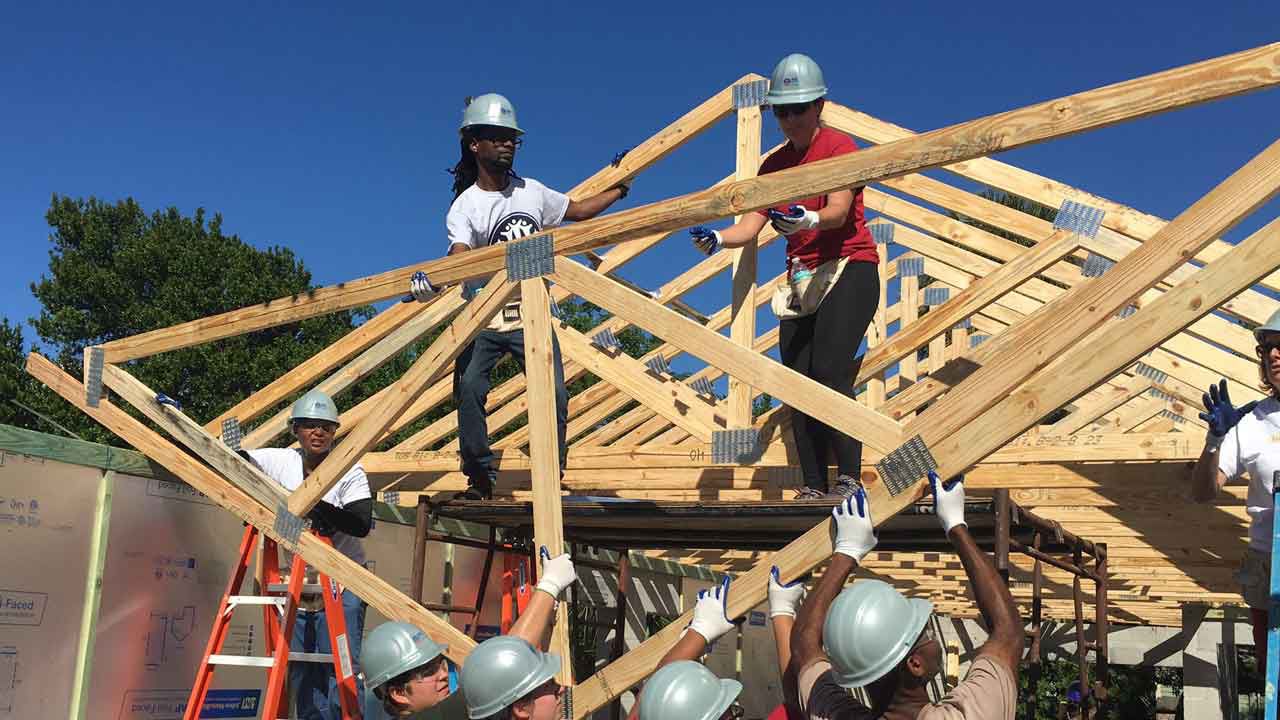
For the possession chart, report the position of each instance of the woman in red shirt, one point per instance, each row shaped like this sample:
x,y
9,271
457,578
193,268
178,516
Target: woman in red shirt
x,y
833,286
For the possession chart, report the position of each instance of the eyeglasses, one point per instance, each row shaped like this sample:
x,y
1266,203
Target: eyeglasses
x,y
499,137
1267,344
310,424
430,669
781,111
550,687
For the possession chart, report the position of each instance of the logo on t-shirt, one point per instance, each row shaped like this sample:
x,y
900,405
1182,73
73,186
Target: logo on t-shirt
x,y
516,226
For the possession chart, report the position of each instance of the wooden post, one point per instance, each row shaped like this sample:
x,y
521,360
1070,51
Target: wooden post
x,y
909,302
544,448
620,621
1082,647
743,325
421,530
879,330
1001,497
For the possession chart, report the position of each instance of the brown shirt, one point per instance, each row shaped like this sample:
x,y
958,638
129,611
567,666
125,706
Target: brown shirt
x,y
988,692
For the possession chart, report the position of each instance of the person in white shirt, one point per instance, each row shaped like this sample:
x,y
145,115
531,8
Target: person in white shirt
x,y
1245,441
345,514
494,205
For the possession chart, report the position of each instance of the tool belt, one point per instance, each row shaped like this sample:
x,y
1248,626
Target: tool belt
x,y
507,319
802,291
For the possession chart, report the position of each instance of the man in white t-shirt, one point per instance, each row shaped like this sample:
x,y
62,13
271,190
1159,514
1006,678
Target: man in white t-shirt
x,y
1245,442
494,205
345,514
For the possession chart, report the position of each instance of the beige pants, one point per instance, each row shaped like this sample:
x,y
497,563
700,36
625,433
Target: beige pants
x,y
1254,576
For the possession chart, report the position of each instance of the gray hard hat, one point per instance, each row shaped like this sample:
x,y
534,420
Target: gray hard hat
x,y
870,628
500,671
1271,326
489,109
314,405
796,79
685,690
394,648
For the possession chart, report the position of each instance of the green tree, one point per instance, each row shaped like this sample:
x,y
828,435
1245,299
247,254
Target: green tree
x,y
116,271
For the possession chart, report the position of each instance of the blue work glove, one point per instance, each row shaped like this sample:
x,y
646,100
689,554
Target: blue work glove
x,y
706,240
948,501
784,599
1220,414
557,573
711,613
795,219
421,288
854,533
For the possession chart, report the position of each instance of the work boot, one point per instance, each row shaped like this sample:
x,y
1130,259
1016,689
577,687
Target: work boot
x,y
477,490
845,487
805,492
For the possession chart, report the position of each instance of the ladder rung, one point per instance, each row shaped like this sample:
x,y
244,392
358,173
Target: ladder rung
x,y
255,600
258,661
284,587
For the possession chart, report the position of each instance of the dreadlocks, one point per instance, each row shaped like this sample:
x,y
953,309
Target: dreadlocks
x,y
465,172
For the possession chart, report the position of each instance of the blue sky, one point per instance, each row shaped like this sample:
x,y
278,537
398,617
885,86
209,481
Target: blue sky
x,y
328,130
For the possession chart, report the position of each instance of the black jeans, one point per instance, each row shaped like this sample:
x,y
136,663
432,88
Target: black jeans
x,y
823,346
471,390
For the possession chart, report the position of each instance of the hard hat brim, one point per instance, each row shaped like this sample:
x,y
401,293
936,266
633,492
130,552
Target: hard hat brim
x,y
795,98
462,130
921,610
729,691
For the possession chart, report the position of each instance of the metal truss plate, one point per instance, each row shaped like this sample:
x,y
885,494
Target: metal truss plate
x,y
750,94
1095,265
902,467
964,324
1083,220
1175,417
703,386
606,340
93,388
530,258
232,434
936,295
658,365
391,497
1146,370
976,340
731,447
287,525
1126,311
910,267
881,233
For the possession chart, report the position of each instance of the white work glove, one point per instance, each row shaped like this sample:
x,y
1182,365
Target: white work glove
x,y
711,613
784,599
851,525
557,573
948,501
795,219
708,241
421,288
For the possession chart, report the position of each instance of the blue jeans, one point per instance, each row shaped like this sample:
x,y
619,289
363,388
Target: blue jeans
x,y
314,685
471,391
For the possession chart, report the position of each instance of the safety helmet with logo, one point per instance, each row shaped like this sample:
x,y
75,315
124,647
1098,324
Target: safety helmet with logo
x,y
489,109
796,79
314,405
870,628
394,648
1271,326
685,690
500,671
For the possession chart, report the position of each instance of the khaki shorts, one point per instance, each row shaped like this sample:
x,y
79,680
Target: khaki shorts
x,y
1254,576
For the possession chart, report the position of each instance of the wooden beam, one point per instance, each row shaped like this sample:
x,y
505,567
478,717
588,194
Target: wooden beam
x,y
247,478
318,364
743,325
392,603
670,398
1101,404
368,361
1044,336
789,386
1229,75
544,448
428,368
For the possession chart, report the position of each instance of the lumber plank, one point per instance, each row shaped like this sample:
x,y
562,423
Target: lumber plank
x,y
389,601
247,478
322,362
743,325
1241,72
787,385
432,365
1100,405
544,449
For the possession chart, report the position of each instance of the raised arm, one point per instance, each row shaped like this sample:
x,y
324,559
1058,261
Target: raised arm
x,y
557,575
854,538
1207,478
783,602
1004,624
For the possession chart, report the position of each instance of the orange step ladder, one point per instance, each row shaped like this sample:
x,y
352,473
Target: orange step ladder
x,y
280,606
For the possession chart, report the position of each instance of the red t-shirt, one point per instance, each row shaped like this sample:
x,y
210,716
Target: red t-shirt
x,y
814,247
786,712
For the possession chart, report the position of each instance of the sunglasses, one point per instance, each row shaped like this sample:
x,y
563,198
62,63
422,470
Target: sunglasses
x,y
306,424
1268,344
499,137
781,111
